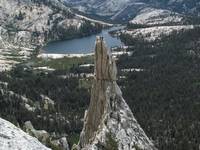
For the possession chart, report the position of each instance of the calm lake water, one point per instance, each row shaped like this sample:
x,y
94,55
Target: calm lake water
x,y
82,45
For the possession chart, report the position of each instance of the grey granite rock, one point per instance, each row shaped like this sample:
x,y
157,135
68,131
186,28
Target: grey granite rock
x,y
109,121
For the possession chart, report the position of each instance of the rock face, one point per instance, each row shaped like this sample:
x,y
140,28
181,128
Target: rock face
x,y
109,122
61,143
152,16
39,134
127,9
13,138
26,25
45,137
114,9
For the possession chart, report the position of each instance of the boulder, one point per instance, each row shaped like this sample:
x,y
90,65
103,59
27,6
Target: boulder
x,y
13,138
42,135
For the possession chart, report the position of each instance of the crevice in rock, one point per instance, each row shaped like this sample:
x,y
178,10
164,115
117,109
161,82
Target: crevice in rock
x,y
108,112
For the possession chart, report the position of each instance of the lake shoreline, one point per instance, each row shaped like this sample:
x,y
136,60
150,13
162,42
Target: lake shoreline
x,y
59,56
82,45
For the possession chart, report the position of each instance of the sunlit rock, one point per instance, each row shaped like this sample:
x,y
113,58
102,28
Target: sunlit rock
x,y
109,122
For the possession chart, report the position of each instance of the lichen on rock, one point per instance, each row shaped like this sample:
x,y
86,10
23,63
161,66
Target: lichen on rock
x,y
109,121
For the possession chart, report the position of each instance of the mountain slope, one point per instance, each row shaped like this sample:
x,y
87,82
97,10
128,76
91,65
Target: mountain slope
x,y
127,9
180,6
163,94
26,25
152,16
13,138
106,8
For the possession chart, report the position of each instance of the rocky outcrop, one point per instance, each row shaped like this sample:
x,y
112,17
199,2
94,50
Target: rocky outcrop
x,y
62,143
109,122
21,104
39,134
45,137
47,103
13,138
26,25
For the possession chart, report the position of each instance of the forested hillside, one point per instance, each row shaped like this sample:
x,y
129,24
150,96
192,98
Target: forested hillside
x,y
160,82
158,67
50,102
164,91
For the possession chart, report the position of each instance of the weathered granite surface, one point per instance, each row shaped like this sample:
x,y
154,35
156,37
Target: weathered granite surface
x,y
13,138
109,122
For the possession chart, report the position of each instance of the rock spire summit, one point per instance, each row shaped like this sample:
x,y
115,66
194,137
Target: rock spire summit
x,y
108,122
